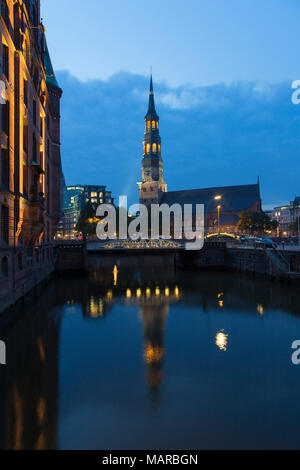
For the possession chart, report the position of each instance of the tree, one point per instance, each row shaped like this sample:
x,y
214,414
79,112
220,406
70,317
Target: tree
x,y
87,221
256,222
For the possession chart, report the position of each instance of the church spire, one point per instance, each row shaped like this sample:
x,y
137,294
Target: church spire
x,y
151,113
152,184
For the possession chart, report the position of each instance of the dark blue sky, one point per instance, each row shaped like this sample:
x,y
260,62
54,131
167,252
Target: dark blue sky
x,y
222,74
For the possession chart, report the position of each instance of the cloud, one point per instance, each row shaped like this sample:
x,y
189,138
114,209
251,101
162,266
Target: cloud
x,y
218,135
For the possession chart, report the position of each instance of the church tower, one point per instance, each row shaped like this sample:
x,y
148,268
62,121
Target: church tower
x,y
152,184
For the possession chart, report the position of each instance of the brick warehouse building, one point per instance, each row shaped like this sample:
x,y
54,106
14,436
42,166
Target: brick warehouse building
x,y
30,168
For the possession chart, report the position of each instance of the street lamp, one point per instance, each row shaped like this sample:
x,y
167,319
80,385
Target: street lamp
x,y
219,207
218,198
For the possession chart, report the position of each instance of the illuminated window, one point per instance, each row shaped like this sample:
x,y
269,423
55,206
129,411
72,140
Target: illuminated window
x,y
148,148
144,149
154,148
148,124
94,200
157,125
159,148
153,124
145,126
100,194
94,194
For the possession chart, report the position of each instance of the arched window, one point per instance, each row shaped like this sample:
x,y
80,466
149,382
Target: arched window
x,y
144,148
153,124
148,124
148,148
157,125
154,148
159,148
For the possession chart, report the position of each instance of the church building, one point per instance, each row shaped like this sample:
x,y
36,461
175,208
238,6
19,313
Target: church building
x,y
223,205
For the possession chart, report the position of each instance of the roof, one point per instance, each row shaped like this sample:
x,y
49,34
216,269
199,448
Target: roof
x,y
233,198
51,78
227,219
151,113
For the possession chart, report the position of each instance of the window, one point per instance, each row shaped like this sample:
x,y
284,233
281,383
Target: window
x,y
34,152
5,224
25,138
154,148
148,125
20,261
25,180
153,124
25,92
148,148
159,148
4,12
5,118
94,194
4,266
34,112
157,125
5,167
5,61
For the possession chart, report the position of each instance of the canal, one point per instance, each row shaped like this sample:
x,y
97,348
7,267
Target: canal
x,y
139,354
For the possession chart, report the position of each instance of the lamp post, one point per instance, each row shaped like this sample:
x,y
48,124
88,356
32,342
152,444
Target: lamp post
x,y
219,207
218,198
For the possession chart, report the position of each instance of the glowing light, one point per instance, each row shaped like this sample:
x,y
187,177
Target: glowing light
x,y
222,340
148,292
260,309
157,291
115,274
221,303
218,198
176,292
167,292
138,293
220,295
109,294
128,294
153,354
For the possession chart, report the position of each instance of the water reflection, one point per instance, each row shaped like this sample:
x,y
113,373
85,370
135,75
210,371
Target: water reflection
x,y
222,340
29,383
92,350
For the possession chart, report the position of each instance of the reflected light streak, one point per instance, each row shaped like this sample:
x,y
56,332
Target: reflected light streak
x,y
222,340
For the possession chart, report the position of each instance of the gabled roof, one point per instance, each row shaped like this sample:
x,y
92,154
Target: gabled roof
x,y
233,198
51,78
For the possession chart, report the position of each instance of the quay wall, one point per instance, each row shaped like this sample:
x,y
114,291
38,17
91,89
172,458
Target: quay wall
x,y
22,269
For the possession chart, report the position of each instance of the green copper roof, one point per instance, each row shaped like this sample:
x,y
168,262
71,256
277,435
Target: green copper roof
x,y
51,79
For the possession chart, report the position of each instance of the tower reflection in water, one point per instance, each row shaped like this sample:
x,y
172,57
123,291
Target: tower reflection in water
x,y
153,302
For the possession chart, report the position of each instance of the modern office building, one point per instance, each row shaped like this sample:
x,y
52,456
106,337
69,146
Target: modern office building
x,y
75,197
